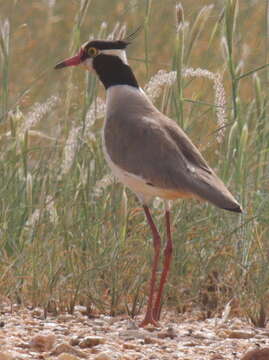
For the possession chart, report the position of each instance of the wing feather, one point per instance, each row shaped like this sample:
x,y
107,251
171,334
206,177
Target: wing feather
x,y
142,141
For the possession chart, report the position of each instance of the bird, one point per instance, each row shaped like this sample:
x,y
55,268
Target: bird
x,y
148,152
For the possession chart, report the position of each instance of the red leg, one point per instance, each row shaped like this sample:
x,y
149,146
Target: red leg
x,y
149,319
166,266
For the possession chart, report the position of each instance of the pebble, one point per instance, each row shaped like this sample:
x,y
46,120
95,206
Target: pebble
x,y
37,313
129,346
82,309
66,356
150,328
5,356
91,341
65,317
104,356
74,340
257,354
170,332
131,325
133,334
66,348
99,323
151,340
43,341
265,333
240,334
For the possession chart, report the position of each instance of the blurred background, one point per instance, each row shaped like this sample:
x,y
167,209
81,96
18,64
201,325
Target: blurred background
x,y
69,233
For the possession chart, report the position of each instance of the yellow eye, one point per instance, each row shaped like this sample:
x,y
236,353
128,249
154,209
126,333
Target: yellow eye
x,y
92,52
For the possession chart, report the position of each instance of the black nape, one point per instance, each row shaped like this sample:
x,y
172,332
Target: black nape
x,y
113,71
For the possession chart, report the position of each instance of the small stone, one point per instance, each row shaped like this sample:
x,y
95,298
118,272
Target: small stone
x,y
23,345
91,341
129,346
66,348
5,356
257,354
65,317
133,355
265,333
240,334
2,324
74,341
81,309
37,313
66,356
190,344
103,356
150,340
99,323
133,334
131,325
43,341
150,328
170,332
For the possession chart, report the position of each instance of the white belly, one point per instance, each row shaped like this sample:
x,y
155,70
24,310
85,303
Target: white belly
x,y
135,183
139,186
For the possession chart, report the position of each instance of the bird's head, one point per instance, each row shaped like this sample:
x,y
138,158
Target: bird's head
x,y
91,50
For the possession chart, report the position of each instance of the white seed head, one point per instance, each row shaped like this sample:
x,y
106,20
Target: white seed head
x,y
33,219
154,88
122,32
5,35
224,48
70,150
38,112
102,184
220,96
179,15
96,111
51,209
114,32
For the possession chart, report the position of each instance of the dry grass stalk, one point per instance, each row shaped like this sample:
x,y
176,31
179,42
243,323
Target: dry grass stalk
x,y
38,112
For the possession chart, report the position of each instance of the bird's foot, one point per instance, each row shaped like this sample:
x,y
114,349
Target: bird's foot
x,y
149,320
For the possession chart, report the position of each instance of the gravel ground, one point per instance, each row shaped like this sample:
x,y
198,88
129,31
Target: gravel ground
x,y
25,334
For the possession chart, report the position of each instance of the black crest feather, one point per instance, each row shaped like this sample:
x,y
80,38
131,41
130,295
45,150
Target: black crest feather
x,y
129,38
107,44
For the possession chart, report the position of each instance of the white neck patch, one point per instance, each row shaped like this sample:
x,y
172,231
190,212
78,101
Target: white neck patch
x,y
116,52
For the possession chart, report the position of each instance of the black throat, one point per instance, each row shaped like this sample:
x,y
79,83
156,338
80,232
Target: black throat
x,y
113,71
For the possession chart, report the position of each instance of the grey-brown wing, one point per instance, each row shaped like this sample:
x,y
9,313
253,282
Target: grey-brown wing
x,y
149,148
156,149
184,144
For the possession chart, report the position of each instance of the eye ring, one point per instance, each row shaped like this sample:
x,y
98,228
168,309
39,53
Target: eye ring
x,y
92,52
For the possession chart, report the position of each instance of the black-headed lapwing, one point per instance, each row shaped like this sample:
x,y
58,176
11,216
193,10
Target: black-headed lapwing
x,y
147,151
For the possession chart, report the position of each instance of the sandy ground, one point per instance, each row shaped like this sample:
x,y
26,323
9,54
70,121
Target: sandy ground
x,y
25,334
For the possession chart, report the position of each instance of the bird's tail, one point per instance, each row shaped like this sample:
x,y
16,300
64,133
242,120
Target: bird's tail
x,y
212,189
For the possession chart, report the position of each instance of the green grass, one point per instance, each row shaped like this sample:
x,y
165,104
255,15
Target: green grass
x,y
65,237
